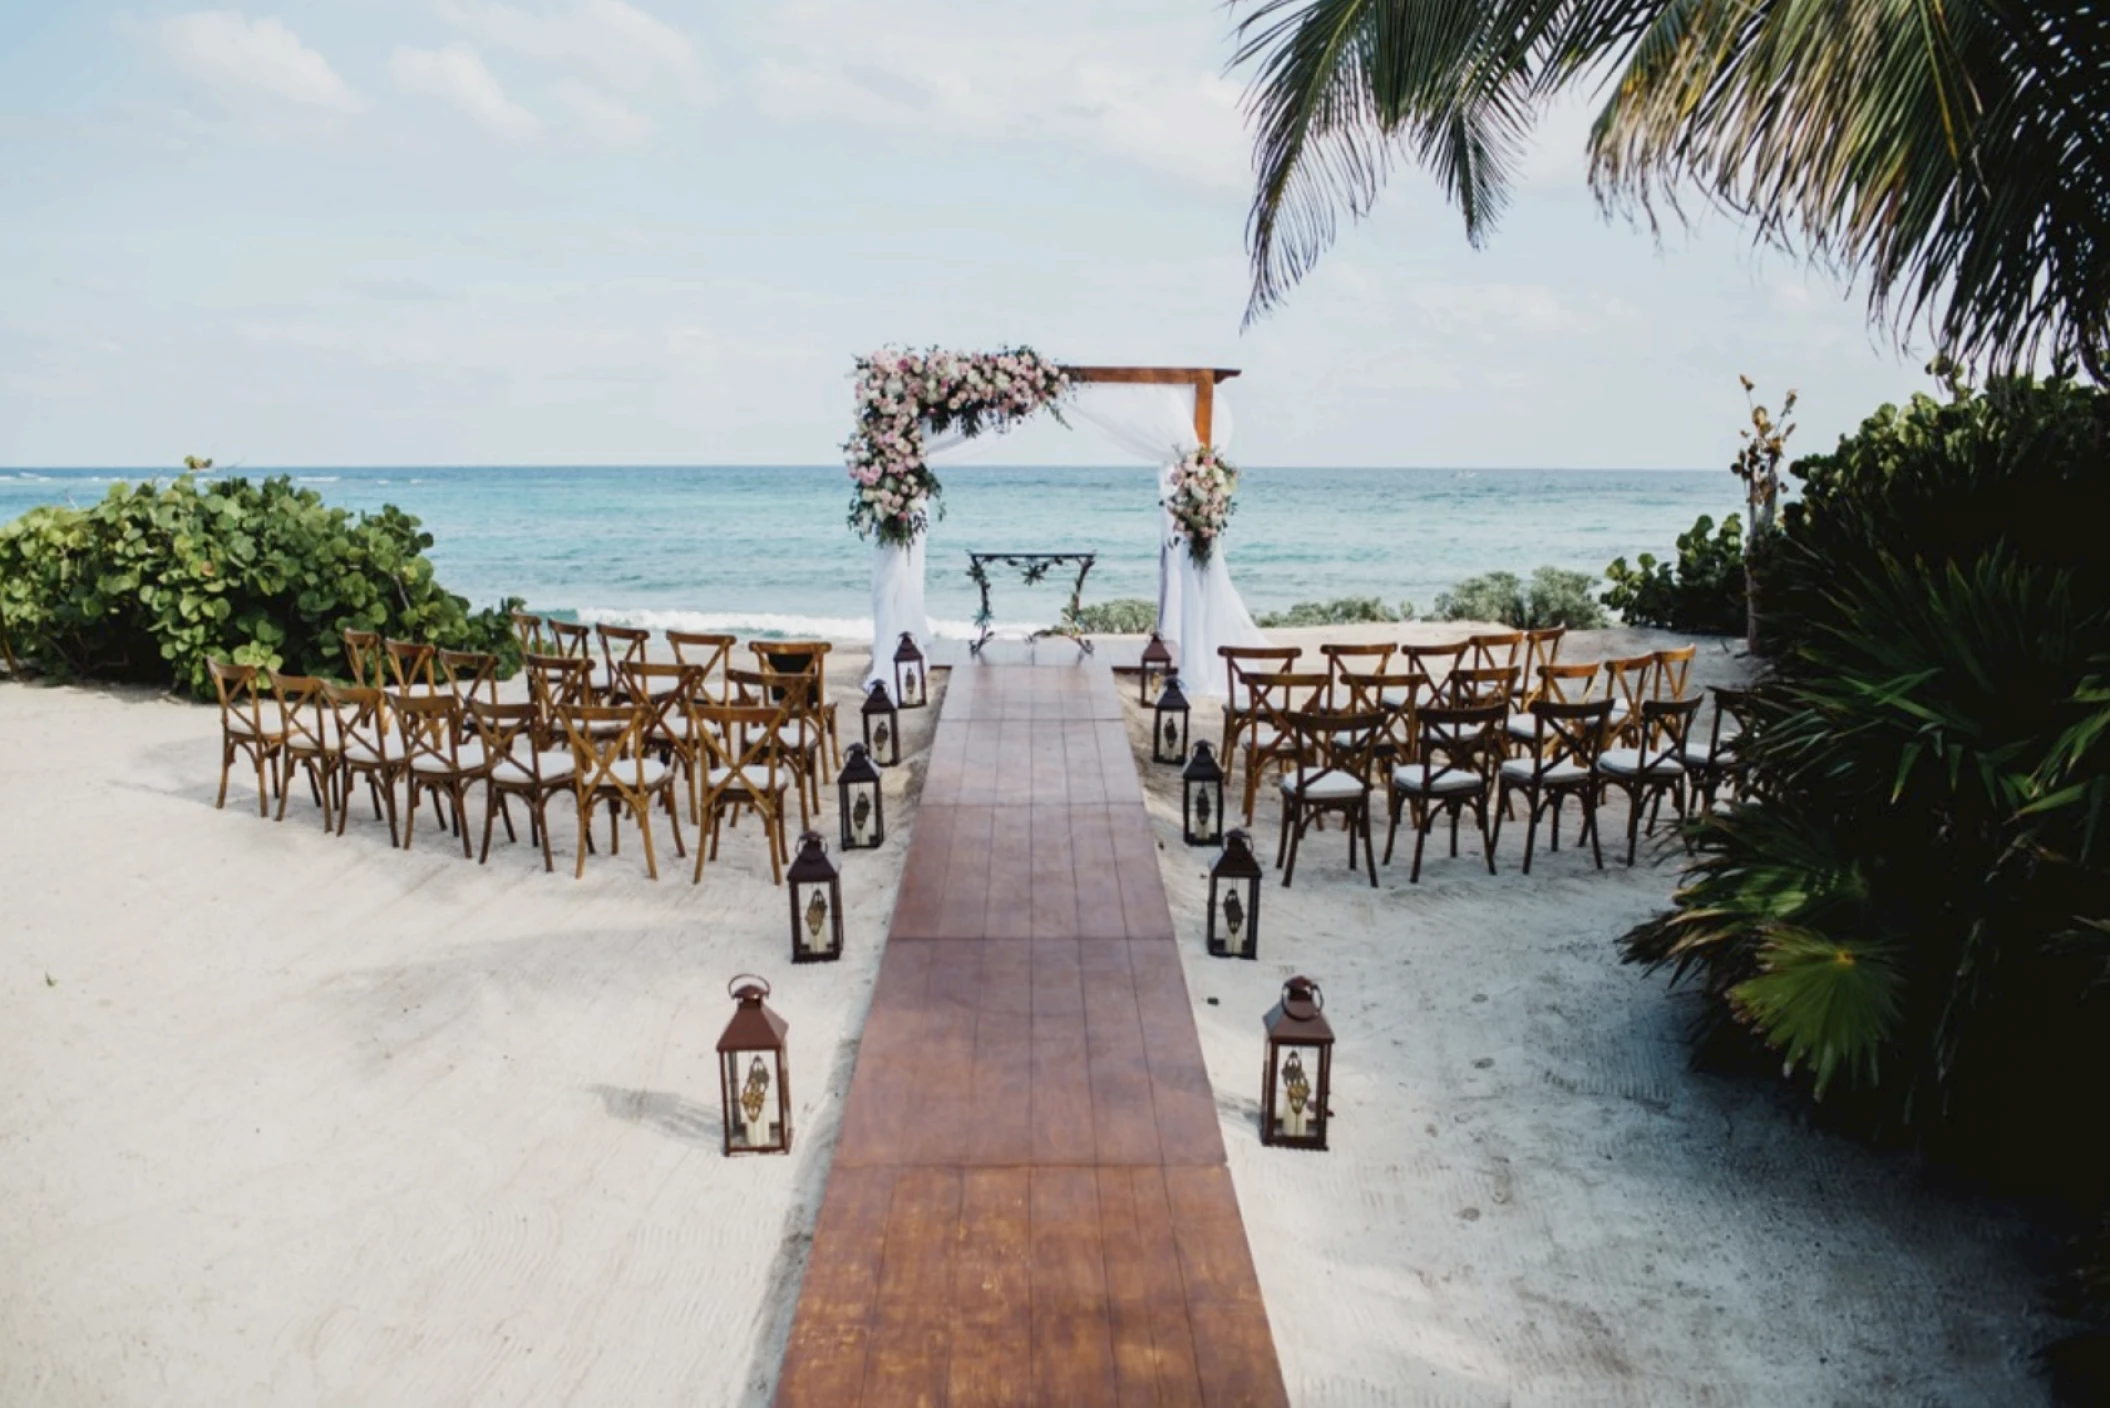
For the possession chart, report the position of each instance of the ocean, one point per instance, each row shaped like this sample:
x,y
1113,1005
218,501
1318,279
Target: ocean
x,y
765,549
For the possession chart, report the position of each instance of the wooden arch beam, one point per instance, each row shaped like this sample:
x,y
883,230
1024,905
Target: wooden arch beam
x,y
1202,379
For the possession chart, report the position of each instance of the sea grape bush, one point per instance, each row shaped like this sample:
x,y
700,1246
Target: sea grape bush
x,y
1702,592
1553,597
146,584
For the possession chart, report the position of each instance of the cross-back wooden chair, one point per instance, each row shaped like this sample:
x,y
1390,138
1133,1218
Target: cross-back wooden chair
x,y
469,674
662,693
1267,739
1673,672
436,760
1655,766
708,651
1241,662
1398,695
556,682
1361,658
609,763
807,657
1541,648
359,716
1720,760
620,646
1475,685
1454,768
517,765
741,750
304,740
1494,650
410,667
1627,682
800,737
1437,662
572,638
527,628
1333,754
243,729
1560,763
362,656
1557,684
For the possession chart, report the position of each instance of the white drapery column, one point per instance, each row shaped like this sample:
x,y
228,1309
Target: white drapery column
x,y
898,572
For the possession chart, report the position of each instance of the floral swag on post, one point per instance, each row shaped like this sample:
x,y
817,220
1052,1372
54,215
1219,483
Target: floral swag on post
x,y
1200,501
900,394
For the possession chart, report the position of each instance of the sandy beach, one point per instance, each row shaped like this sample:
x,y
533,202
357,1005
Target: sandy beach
x,y
301,1119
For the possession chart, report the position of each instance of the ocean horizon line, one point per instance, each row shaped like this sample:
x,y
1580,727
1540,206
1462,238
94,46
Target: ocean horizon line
x,y
951,470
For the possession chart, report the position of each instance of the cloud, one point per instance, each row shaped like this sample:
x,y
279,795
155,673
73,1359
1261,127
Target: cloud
x,y
456,75
601,116
617,42
230,51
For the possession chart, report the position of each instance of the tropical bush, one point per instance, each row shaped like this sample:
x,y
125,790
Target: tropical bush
x,y
1120,616
1702,592
146,584
1341,611
1553,597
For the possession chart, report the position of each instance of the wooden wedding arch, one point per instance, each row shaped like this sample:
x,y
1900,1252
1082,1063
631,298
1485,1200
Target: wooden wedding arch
x,y
1204,380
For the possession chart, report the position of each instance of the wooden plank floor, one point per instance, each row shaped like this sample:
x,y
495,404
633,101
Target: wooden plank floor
x,y
1029,1202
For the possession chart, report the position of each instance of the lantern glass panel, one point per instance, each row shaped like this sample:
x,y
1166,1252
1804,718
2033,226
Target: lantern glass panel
x,y
754,1086
911,674
816,903
1234,900
882,726
861,798
1202,789
1169,717
1295,1105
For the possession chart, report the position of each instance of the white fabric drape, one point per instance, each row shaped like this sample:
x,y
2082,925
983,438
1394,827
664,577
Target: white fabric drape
x,y
897,572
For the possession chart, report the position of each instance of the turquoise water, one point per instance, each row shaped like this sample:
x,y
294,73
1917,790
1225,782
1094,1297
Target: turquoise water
x,y
765,549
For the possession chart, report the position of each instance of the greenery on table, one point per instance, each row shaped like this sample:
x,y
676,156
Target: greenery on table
x,y
1703,591
1553,597
147,583
1914,914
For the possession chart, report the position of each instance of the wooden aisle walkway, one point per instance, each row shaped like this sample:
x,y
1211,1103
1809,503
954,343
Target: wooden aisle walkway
x,y
1029,1202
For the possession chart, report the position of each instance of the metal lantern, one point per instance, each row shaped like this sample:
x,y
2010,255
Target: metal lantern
x,y
882,726
1157,663
816,903
1299,1072
1202,784
1234,899
1168,734
754,1080
862,801
911,675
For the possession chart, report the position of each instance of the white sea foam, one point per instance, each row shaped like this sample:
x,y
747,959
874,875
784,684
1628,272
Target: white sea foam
x,y
317,479
776,624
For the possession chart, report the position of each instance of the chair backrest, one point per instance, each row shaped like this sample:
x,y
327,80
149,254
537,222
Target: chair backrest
x,y
1396,694
1674,672
1569,684
358,714
1731,707
410,665
1541,648
241,702
469,673
742,743
620,646
362,655
1481,684
662,692
1338,741
1274,697
529,629
508,732
603,756
797,694
1363,658
569,638
1495,649
1627,680
1435,661
1454,737
431,725
1571,734
300,711
1241,662
1665,725
709,651
555,682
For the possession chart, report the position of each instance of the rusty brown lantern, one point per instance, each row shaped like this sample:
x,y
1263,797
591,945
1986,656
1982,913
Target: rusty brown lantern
x,y
1234,900
911,673
1168,727
754,1080
861,801
816,903
882,723
1299,1075
1202,798
1157,663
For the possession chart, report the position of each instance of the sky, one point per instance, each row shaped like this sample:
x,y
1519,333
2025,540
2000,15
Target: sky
x,y
392,232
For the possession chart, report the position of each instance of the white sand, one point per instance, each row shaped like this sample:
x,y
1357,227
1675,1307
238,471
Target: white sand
x,y
300,1119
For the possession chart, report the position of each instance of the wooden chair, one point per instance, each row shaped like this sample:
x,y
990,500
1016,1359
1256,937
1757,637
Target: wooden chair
x,y
1241,662
556,682
1557,684
360,748
1437,662
304,740
807,657
662,693
799,737
410,668
243,730
436,760
468,675
1655,767
529,630
1627,683
518,765
569,638
1475,685
1271,699
362,655
1720,759
1399,695
1673,672
1496,650
609,764
1333,755
1560,763
710,652
741,750
1454,768
620,646
1541,648
1363,659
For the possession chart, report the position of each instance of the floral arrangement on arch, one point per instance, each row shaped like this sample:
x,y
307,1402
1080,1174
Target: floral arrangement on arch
x,y
1201,486
900,394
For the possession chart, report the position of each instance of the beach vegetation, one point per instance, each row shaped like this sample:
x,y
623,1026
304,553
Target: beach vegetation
x,y
1341,611
148,583
1702,592
1119,616
1553,597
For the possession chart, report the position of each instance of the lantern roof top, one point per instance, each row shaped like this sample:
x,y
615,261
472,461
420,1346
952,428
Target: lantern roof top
x,y
1300,1015
754,1027
877,700
811,864
1202,767
1237,861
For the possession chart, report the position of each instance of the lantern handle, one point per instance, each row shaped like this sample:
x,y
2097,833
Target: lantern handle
x,y
732,989
1318,997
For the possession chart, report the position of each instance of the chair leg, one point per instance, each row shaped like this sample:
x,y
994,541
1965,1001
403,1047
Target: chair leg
x,y
263,797
410,820
1295,837
389,797
1487,837
641,808
666,797
1369,853
226,766
1635,805
1531,830
1424,819
494,802
1392,805
1589,806
461,811
585,830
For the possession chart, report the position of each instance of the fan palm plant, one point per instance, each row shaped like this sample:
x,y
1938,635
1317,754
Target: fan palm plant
x,y
1953,150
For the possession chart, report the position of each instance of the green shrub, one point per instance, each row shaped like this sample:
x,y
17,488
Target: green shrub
x,y
1122,616
1703,593
148,583
1342,611
1554,597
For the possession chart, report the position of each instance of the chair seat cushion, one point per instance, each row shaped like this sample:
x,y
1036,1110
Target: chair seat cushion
x,y
1626,762
357,752
1520,770
471,756
641,773
1263,736
1524,726
1323,785
1396,698
555,765
1440,783
741,780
